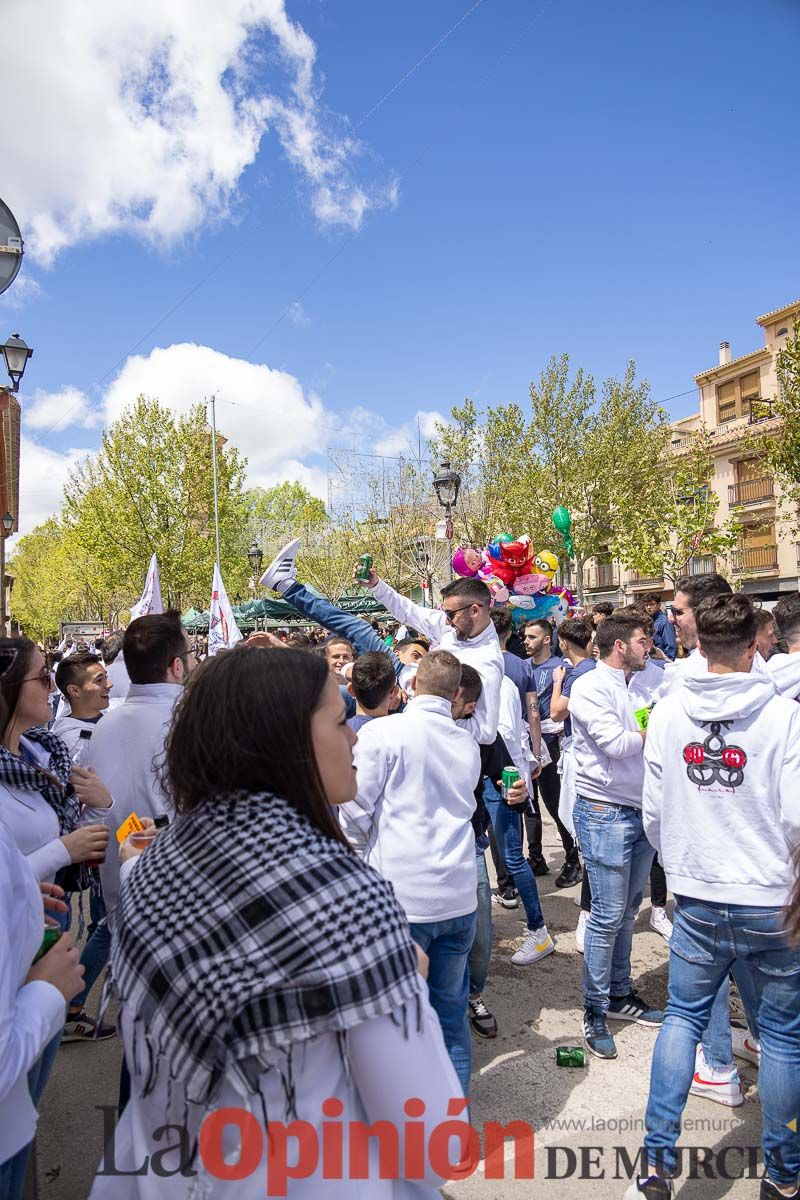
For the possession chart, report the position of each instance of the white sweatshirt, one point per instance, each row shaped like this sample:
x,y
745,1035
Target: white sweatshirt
x,y
607,743
784,671
69,729
482,652
514,731
31,1014
411,818
721,798
126,751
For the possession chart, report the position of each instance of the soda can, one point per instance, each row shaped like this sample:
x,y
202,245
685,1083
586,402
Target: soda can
x,y
364,568
509,777
570,1056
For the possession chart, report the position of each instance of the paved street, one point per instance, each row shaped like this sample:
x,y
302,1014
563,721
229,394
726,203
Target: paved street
x,y
515,1078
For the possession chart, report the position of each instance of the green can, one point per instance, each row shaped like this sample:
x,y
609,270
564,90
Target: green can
x,y
509,777
570,1056
51,936
364,568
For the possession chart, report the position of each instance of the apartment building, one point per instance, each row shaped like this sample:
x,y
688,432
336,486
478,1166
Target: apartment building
x,y
734,396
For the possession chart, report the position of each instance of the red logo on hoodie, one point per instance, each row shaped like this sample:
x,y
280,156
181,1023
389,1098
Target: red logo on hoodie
x,y
714,761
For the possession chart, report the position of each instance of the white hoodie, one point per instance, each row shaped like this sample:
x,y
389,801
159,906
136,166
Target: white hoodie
x,y
482,652
607,743
784,671
721,801
411,818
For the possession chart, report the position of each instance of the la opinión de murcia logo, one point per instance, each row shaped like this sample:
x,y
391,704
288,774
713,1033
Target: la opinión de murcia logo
x,y
714,761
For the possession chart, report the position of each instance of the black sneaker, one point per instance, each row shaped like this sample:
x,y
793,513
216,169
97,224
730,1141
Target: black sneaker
x,y
481,1020
80,1028
597,1034
508,897
770,1192
653,1188
571,873
539,866
633,1008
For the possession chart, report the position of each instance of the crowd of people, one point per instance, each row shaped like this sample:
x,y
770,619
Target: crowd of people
x,y
296,909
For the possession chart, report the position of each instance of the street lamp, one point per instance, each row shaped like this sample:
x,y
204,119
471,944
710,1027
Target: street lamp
x,y
16,353
446,485
255,556
7,521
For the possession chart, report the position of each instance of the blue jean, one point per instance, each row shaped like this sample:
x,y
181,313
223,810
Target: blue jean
x,y
508,834
447,944
617,857
707,941
481,950
94,958
12,1172
352,628
717,1045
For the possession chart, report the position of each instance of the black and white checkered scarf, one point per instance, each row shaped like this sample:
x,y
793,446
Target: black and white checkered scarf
x,y
24,775
244,931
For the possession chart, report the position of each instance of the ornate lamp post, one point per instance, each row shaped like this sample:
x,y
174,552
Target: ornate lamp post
x,y
16,354
447,484
7,521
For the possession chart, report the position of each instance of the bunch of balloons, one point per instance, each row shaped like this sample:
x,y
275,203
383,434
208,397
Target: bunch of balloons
x,y
516,576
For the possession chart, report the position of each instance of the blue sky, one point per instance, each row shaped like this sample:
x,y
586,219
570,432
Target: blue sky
x,y
612,180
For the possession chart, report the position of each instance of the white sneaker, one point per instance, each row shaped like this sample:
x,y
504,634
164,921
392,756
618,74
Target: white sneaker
x,y
281,573
580,932
660,922
746,1046
721,1086
538,944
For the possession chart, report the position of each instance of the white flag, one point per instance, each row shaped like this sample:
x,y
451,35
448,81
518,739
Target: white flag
x,y
151,601
223,632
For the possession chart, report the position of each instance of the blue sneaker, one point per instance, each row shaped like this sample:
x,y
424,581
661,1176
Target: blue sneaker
x,y
633,1008
597,1034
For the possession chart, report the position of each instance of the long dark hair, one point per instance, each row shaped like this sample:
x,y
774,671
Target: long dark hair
x,y
243,723
19,651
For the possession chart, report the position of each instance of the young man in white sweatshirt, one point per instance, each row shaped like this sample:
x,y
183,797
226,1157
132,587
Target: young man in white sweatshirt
x,y
784,669
82,679
721,804
411,821
607,746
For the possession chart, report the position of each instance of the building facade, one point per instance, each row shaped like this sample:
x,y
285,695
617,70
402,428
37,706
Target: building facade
x,y
735,396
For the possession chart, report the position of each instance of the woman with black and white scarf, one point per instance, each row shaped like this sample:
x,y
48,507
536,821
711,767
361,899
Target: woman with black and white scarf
x,y
263,967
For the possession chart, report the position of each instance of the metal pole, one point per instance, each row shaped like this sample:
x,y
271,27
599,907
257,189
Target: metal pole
x,y
3,631
214,466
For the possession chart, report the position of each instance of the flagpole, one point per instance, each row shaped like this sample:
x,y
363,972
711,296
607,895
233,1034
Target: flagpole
x,y
214,466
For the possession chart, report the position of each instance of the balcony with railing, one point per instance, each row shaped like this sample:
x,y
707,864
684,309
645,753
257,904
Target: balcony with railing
x,y
637,580
754,559
601,577
703,564
751,491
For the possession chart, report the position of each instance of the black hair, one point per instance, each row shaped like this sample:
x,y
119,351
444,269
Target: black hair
x,y
700,587
471,683
474,590
577,633
372,678
151,644
73,669
620,626
726,626
787,616
603,608
217,744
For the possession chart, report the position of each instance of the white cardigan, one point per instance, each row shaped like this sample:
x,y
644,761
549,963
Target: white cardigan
x,y
31,1014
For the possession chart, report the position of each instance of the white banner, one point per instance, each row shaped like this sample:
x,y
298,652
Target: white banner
x,y
223,632
151,601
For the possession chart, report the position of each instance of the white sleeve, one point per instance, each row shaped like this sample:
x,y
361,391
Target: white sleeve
x,y
30,1017
429,621
790,782
357,817
604,726
653,788
413,1066
484,721
48,859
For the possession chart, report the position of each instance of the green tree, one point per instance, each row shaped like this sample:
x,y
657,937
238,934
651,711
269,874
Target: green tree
x,y
678,521
277,514
779,448
149,489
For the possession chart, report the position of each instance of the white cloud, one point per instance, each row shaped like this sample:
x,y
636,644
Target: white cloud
x,y
43,474
264,412
23,290
142,116
406,438
298,315
68,409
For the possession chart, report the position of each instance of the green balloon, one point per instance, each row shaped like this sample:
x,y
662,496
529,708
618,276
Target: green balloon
x,y
504,537
562,520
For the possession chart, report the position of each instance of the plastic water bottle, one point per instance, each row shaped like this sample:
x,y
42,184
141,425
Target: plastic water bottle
x,y
81,752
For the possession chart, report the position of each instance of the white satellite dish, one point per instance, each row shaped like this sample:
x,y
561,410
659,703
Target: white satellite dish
x,y
12,247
